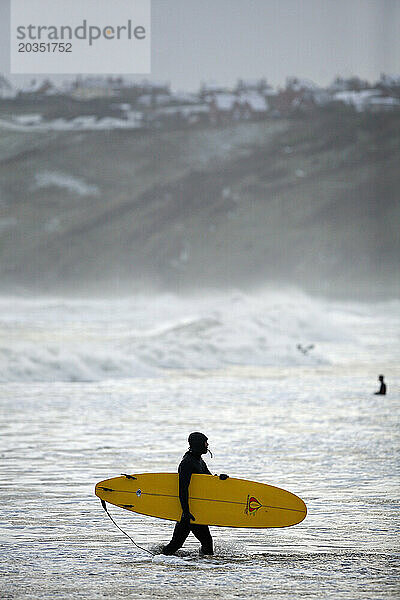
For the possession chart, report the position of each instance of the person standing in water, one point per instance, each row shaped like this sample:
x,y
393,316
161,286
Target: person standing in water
x,y
382,389
191,463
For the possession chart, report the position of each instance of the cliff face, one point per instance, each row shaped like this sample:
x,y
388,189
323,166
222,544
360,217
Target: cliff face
x,y
312,203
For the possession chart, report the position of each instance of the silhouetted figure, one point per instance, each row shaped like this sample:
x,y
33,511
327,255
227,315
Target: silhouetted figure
x,y
382,389
191,463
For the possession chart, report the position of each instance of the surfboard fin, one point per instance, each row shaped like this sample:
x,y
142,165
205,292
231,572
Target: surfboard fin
x,y
128,476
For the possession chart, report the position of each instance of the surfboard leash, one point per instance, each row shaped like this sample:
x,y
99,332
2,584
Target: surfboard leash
x,y
104,505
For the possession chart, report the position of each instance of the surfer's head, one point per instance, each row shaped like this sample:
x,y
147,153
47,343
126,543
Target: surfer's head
x,y
198,442
380,378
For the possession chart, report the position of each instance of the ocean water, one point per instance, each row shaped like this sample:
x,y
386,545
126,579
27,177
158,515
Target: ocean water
x,y
91,389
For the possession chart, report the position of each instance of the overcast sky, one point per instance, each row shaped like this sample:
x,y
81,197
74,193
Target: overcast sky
x,y
221,40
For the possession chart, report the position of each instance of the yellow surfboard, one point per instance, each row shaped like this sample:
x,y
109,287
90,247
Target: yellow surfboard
x,y
229,503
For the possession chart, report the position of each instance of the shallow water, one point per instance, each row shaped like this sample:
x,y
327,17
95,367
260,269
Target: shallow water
x,y
320,436
314,429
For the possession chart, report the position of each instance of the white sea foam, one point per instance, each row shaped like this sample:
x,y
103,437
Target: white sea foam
x,y
76,340
81,123
75,185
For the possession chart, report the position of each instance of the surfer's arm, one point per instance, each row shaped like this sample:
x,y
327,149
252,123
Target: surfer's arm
x,y
184,481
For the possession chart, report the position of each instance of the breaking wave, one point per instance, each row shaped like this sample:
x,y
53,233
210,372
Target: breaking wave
x,y
74,340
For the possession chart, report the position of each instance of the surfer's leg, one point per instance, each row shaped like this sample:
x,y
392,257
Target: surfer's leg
x,y
179,536
203,534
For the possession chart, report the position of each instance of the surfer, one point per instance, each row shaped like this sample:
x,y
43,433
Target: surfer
x,y
191,463
382,389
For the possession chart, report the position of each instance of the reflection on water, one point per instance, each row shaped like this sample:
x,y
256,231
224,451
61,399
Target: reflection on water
x,y
320,434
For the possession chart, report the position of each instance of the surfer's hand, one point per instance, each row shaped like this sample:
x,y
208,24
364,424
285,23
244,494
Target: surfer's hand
x,y
187,517
224,476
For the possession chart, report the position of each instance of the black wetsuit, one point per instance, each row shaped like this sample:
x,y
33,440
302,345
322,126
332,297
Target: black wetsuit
x,y
382,390
191,463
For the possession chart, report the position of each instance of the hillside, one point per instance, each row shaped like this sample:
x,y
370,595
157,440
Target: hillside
x,y
312,203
